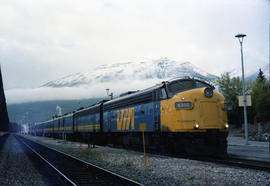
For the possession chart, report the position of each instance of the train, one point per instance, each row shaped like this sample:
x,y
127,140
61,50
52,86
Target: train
x,y
182,115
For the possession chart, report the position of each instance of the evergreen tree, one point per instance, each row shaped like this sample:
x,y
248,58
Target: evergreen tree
x,y
261,78
261,98
231,88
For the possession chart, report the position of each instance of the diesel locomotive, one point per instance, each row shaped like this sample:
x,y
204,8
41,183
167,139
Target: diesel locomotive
x,y
180,115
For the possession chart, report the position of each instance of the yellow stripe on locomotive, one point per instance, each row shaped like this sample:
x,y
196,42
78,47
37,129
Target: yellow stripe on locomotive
x,y
125,118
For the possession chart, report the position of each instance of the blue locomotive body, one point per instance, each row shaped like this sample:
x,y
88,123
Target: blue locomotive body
x,y
129,119
87,120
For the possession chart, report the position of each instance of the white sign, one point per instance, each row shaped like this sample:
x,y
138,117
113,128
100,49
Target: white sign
x,y
241,101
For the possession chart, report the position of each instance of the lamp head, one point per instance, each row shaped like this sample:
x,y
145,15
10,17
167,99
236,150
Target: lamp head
x,y
240,35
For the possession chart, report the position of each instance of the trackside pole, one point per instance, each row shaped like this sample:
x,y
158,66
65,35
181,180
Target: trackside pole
x,y
64,138
143,128
144,154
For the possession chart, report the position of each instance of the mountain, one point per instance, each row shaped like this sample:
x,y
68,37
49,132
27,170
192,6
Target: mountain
x,y
162,69
86,88
31,112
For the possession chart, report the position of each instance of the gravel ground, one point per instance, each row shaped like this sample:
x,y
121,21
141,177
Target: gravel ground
x,y
18,168
161,170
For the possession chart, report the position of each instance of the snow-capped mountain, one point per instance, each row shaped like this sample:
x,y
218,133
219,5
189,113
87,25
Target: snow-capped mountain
x,y
162,69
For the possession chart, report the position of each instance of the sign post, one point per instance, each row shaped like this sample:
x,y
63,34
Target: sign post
x,y
245,101
241,101
143,128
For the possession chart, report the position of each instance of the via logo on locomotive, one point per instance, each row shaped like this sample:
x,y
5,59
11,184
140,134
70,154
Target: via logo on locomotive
x,y
125,118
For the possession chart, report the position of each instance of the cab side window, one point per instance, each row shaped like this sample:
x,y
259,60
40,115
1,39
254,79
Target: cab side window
x,y
163,94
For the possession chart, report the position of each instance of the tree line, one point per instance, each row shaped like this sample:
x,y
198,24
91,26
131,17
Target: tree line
x,y
231,88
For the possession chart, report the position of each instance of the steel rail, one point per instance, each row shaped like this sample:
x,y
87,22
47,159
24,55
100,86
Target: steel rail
x,y
244,163
227,160
53,167
125,180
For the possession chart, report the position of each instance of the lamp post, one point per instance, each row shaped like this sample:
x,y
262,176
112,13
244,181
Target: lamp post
x,y
241,38
110,95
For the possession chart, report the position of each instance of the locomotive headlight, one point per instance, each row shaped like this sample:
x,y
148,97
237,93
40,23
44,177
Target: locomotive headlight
x,y
226,125
183,105
208,92
197,126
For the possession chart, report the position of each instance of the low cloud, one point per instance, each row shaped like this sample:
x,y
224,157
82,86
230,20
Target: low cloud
x,y
14,96
37,46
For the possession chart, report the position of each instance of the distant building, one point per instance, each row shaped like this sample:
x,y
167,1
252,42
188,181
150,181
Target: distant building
x,y
4,121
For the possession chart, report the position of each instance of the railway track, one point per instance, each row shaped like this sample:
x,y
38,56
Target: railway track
x,y
244,163
225,160
73,170
230,161
20,165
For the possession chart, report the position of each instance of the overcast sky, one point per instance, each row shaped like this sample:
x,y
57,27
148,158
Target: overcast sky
x,y
45,40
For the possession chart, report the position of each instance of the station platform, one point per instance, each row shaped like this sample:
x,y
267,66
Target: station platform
x,y
255,150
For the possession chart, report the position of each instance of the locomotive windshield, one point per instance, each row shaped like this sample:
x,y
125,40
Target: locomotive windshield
x,y
184,85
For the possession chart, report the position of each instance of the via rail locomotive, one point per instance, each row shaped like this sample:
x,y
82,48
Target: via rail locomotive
x,y
180,115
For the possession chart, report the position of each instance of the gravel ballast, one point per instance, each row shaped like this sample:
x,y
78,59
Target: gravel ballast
x,y
20,167
161,170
